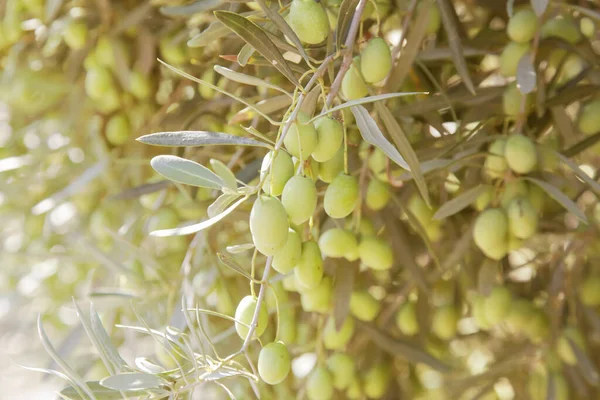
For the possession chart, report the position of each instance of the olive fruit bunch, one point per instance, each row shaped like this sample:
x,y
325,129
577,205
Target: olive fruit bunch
x,y
521,29
372,66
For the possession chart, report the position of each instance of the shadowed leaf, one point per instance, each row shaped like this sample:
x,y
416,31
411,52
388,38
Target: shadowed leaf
x,y
460,202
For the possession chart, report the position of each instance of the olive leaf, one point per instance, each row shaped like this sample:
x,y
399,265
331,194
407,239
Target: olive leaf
x,y
539,6
460,202
526,75
246,79
224,173
215,31
132,381
99,391
197,138
345,15
186,171
595,186
232,264
258,39
560,197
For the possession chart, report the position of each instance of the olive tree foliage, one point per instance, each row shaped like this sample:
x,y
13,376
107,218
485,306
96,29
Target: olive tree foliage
x,y
302,199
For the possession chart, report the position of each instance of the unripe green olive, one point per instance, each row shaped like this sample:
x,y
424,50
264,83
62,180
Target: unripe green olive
x,y
274,363
171,52
587,27
509,59
537,386
282,169
288,325
491,233
495,165
561,28
341,196
537,197
364,306
522,218
512,99
406,319
377,380
139,85
337,340
354,390
299,198
76,34
343,369
98,81
479,312
205,91
522,25
564,349
328,170
375,60
497,304
286,258
378,194
164,218
318,299
118,130
520,154
512,190
434,21
319,384
244,314
353,84
375,253
538,326
485,198
589,118
330,134
301,138
309,270
514,243
309,21
419,209
337,242
444,322
434,230
290,283
589,292
269,225
109,103
521,311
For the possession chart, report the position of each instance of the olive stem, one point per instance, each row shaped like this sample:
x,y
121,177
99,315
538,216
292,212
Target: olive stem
x,y
261,296
347,61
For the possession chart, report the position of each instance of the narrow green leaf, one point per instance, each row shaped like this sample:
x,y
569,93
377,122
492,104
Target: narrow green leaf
x,y
246,79
221,203
197,6
104,340
148,366
232,264
526,75
449,18
73,388
245,54
586,11
225,174
563,123
364,100
132,381
582,145
539,6
188,230
460,202
69,372
560,197
595,186
266,106
310,101
345,15
197,138
257,38
215,31
239,248
584,364
401,348
405,148
185,171
371,133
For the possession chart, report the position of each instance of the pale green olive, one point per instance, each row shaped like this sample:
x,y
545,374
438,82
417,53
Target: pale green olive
x,y
337,242
299,198
522,218
491,233
364,306
244,314
520,153
510,56
375,60
341,196
522,25
319,384
319,298
343,369
406,319
269,225
328,170
375,253
589,292
330,134
378,194
589,118
497,305
118,130
277,172
309,270
286,258
444,322
377,380
309,21
301,138
334,339
274,363
353,84
495,165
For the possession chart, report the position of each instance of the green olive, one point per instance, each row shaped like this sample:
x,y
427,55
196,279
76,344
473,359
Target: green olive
x,y
343,368
288,325
538,326
512,190
491,233
118,130
375,253
434,20
309,270
76,34
377,380
269,225
537,385
364,306
309,21
354,390
299,198
512,99
522,218
318,299
353,84
589,292
334,339
274,363
282,169
444,322
328,170
564,348
495,165
286,258
301,138
522,25
478,312
341,196
561,28
330,135
98,82
497,305
173,53
319,384
509,59
375,60
244,313
589,118
521,311
165,218
378,194
406,319
587,27
337,242
520,154
139,85
419,209
485,198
